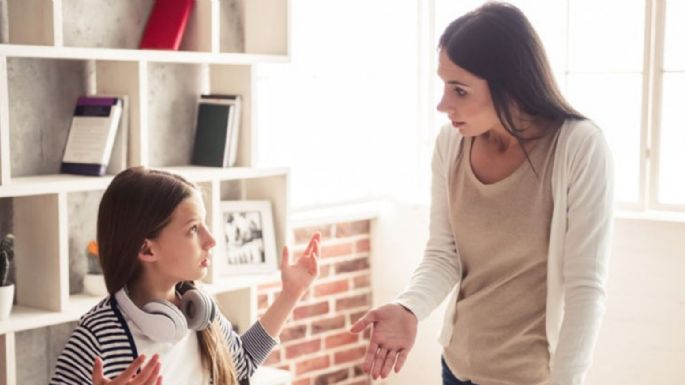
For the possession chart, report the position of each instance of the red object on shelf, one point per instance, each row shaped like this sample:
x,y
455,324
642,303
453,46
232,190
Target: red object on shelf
x,y
166,24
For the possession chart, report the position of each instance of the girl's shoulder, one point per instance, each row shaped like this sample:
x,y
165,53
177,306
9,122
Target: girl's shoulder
x,y
104,311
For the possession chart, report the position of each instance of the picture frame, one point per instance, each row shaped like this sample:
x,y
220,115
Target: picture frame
x,y
248,239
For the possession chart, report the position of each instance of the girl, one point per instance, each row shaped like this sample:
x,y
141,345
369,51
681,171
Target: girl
x,y
154,244
520,224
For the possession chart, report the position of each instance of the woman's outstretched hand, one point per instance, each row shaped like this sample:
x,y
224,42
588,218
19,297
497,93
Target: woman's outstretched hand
x,y
392,336
149,375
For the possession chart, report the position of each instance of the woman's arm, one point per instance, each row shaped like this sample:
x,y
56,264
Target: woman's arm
x,y
585,260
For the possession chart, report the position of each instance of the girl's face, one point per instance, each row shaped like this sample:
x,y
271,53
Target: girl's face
x,y
466,99
181,251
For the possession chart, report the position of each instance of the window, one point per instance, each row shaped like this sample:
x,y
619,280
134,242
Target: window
x,y
343,113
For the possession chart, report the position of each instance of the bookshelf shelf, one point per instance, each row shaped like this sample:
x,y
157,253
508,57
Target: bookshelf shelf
x,y
152,56
57,50
55,183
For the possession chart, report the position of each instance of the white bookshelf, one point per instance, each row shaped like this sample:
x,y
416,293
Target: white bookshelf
x,y
46,61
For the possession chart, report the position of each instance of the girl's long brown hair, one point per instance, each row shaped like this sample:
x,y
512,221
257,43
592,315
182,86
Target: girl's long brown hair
x,y
136,206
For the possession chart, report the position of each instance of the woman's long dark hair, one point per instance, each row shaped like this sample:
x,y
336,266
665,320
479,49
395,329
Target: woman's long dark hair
x,y
136,206
497,43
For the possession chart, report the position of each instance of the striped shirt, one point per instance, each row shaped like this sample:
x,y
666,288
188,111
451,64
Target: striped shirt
x,y
103,332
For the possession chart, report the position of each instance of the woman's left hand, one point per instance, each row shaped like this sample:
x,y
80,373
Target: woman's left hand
x,y
297,277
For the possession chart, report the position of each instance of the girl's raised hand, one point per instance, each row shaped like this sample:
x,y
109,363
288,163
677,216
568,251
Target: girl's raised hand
x,y
148,376
297,277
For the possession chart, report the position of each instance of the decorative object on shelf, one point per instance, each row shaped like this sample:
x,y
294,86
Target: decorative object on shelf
x,y
248,236
92,135
166,24
6,288
216,132
94,280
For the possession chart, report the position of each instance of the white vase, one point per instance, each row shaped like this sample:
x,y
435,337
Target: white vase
x,y
94,284
6,299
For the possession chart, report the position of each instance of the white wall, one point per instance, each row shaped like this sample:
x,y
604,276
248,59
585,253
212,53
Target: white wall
x,y
642,341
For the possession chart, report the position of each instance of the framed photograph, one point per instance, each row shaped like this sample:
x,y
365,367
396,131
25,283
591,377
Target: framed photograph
x,y
248,238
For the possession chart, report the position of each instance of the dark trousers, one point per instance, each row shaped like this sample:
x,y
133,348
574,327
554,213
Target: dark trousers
x,y
449,379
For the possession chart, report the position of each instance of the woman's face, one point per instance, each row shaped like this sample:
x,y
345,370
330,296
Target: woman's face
x,y
182,247
466,99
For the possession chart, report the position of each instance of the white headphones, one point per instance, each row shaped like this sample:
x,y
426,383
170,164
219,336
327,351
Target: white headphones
x,y
163,321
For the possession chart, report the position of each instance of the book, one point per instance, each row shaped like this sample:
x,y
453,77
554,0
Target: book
x,y
92,135
166,24
216,130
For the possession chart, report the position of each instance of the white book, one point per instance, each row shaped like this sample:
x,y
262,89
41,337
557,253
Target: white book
x,y
92,135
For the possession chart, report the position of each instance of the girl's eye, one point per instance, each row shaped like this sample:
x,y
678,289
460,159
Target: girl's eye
x,y
194,229
460,92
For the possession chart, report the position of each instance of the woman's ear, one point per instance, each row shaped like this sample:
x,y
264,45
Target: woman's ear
x,y
146,253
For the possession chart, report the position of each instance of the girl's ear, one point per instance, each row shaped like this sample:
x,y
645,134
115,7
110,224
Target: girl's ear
x,y
146,253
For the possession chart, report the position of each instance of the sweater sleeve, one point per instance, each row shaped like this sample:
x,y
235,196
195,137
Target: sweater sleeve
x,y
586,254
75,363
439,271
248,350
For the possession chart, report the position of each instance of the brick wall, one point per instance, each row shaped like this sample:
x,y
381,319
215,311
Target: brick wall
x,y
316,346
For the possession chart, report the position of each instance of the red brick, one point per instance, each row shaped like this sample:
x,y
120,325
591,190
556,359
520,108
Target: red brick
x,y
353,265
273,358
362,382
332,377
262,301
304,234
354,317
358,371
293,333
337,250
324,271
343,230
350,355
352,302
310,310
363,245
362,281
331,288
340,339
302,348
337,322
303,381
312,364
270,285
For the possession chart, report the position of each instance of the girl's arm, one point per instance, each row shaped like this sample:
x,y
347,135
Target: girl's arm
x,y
251,349
296,278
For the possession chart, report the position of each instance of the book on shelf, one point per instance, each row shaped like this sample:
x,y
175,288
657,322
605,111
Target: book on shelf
x,y
166,24
216,130
96,143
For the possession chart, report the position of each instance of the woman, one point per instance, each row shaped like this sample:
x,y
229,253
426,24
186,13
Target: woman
x,y
520,222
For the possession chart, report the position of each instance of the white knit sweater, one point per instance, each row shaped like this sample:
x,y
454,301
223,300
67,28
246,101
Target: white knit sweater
x,y
579,242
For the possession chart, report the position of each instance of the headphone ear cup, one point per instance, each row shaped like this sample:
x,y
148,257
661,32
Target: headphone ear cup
x,y
162,331
198,308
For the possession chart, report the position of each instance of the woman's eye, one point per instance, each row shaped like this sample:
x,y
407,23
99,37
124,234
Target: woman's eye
x,y
194,229
460,92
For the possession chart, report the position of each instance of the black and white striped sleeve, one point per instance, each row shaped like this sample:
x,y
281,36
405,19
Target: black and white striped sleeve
x,y
75,363
248,350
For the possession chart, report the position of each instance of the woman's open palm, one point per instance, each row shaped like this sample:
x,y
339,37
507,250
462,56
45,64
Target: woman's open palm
x,y
392,336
